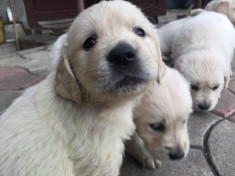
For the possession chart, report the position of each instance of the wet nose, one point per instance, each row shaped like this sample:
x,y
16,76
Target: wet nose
x,y
176,154
204,106
122,55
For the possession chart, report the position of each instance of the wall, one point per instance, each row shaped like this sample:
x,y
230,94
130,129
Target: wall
x,y
19,10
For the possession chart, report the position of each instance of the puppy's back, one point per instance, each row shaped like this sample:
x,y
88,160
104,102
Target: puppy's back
x,y
205,31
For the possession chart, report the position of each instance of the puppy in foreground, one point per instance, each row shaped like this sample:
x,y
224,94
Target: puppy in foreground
x,y
75,121
161,121
203,50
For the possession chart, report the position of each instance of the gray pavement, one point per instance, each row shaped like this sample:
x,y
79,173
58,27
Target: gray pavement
x,y
7,97
222,154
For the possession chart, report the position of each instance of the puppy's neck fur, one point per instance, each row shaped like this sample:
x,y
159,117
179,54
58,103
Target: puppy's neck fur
x,y
102,102
97,134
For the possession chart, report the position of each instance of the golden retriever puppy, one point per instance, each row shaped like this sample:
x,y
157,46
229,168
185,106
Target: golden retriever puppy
x,y
161,121
167,34
226,7
203,50
75,121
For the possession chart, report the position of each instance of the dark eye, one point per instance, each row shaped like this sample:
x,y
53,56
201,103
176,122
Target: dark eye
x,y
89,43
160,127
139,31
215,87
184,121
194,87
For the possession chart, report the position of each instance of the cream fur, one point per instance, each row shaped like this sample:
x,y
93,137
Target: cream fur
x,y
203,50
75,121
169,103
56,52
167,34
226,7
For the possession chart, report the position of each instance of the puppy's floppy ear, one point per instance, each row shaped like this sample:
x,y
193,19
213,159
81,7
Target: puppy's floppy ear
x,y
65,83
161,66
223,7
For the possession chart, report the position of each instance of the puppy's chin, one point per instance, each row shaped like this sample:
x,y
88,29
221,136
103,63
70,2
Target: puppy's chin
x,y
129,85
106,89
123,83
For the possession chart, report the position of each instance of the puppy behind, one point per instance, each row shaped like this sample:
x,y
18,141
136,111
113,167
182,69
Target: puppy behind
x,y
56,52
167,34
203,50
225,7
75,121
161,121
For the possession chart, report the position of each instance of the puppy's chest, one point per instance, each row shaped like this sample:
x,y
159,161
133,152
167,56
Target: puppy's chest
x,y
98,145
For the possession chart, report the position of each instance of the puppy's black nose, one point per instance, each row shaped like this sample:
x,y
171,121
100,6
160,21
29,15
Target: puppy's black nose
x,y
204,106
176,154
122,55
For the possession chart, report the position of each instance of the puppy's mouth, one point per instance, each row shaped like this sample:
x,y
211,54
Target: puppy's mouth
x,y
203,106
129,81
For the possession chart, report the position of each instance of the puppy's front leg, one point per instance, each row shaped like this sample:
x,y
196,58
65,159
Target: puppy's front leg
x,y
135,147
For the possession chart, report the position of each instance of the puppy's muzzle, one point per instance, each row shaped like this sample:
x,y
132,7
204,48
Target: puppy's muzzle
x,y
125,67
122,55
204,106
176,153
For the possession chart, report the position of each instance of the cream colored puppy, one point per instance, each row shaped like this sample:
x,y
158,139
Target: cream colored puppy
x,y
75,121
167,34
226,7
203,50
161,121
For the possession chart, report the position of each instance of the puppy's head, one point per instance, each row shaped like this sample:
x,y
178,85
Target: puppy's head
x,y
112,50
161,118
207,74
227,8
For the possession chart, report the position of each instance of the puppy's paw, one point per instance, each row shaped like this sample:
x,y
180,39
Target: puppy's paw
x,y
149,162
137,149
158,163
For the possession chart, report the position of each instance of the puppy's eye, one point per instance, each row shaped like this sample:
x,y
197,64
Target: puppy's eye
x,y
139,31
215,87
160,127
89,43
184,121
194,87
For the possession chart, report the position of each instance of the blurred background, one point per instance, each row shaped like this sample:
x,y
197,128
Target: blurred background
x,y
29,23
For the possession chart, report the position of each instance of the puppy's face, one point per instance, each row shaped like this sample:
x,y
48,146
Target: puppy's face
x,y
113,49
161,118
206,77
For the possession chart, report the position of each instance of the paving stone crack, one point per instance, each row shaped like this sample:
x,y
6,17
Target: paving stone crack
x,y
207,152
196,147
22,56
